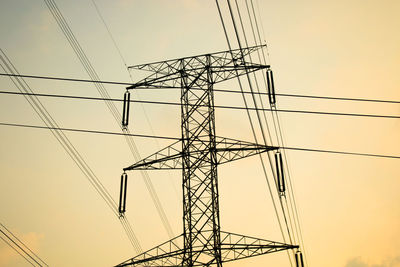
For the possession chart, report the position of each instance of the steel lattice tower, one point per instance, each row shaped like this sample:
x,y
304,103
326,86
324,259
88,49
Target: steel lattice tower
x,y
198,154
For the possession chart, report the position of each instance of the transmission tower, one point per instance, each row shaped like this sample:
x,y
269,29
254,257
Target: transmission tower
x,y
198,154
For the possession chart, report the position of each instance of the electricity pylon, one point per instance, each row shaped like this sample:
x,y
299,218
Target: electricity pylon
x,y
198,154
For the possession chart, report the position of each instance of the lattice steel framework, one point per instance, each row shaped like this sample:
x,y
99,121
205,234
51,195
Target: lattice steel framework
x,y
198,154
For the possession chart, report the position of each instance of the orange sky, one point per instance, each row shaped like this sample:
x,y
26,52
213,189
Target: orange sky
x,y
348,205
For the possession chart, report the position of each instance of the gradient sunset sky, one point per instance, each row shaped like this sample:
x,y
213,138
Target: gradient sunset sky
x,y
348,205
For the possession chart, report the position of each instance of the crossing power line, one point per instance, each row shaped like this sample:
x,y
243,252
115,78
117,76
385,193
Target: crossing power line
x,y
190,80
86,131
178,139
216,106
70,149
16,244
388,101
291,195
91,72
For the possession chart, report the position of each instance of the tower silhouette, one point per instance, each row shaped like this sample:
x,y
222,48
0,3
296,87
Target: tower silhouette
x,y
198,154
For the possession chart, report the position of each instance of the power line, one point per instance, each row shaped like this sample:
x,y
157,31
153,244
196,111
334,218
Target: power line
x,y
175,138
64,79
291,193
69,148
87,65
341,152
16,250
86,131
254,98
130,144
339,98
336,113
109,33
215,90
33,253
216,106
255,104
251,123
22,246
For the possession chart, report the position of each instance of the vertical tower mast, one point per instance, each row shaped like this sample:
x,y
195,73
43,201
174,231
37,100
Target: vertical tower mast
x,y
199,171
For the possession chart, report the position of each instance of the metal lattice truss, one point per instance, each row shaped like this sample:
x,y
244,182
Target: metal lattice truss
x,y
224,66
198,154
227,150
233,247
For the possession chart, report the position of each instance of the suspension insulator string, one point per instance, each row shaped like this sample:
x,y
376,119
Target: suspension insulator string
x,y
122,193
125,110
271,87
280,174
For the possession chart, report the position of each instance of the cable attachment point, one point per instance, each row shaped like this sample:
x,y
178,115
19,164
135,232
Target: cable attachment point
x,y
125,111
280,174
271,87
122,193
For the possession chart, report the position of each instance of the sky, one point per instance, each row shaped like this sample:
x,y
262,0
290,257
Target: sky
x,y
348,205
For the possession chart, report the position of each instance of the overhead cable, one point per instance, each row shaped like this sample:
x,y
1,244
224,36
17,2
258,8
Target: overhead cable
x,y
277,126
176,139
215,90
16,250
18,246
27,249
257,111
64,141
87,131
251,122
216,106
80,53
342,152
125,120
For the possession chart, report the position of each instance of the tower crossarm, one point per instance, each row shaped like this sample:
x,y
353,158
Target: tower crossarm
x,y
227,150
169,157
231,149
223,65
236,246
168,253
233,247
